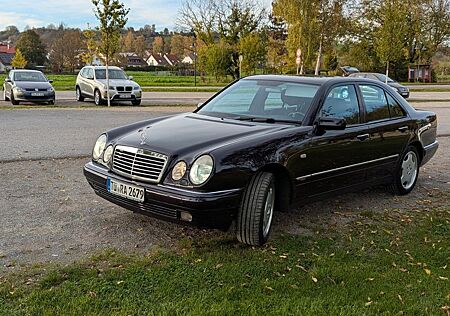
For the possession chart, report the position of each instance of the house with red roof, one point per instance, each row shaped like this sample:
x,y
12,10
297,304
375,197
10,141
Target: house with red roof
x,y
7,53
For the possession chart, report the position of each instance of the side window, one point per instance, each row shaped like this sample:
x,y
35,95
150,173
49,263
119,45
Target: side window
x,y
394,108
84,72
90,73
376,103
342,102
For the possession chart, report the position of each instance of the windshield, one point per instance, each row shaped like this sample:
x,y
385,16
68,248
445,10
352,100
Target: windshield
x,y
113,74
382,77
29,76
263,99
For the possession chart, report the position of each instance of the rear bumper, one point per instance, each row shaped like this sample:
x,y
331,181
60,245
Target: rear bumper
x,y
208,209
429,151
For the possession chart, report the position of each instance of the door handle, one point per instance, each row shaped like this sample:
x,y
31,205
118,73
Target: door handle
x,y
363,137
403,129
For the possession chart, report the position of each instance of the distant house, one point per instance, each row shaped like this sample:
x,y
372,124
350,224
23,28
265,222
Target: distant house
x,y
189,59
166,60
7,53
133,60
157,60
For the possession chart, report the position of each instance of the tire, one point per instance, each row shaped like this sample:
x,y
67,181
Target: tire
x,y
4,94
406,173
255,216
13,102
136,102
98,100
52,102
79,95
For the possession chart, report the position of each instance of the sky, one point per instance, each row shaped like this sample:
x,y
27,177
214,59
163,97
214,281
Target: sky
x,y
77,13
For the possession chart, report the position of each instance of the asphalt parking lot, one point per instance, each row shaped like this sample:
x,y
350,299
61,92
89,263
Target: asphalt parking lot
x,y
50,214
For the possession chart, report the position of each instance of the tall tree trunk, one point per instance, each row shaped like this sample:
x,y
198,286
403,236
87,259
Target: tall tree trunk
x,y
319,58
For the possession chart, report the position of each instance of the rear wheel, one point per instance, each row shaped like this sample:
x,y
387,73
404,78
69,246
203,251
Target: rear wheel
x,y
254,221
98,98
407,172
78,94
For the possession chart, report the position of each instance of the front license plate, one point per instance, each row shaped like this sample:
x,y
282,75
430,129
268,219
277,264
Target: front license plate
x,y
37,94
124,96
127,191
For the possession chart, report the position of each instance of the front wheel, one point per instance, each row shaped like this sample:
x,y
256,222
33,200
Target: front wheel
x,y
98,98
13,101
136,102
254,220
406,172
51,102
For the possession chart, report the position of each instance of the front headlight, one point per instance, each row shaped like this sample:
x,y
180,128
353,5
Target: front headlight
x,y
99,147
179,171
137,88
19,89
201,170
108,154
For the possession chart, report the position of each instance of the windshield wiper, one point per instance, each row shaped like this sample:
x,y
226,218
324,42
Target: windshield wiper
x,y
270,120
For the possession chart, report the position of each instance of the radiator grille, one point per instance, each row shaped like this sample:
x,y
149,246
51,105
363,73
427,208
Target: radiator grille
x,y
139,164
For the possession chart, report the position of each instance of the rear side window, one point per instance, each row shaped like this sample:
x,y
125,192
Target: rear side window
x,y
377,107
394,108
342,102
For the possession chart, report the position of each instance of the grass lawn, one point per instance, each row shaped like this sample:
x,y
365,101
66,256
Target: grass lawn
x,y
397,262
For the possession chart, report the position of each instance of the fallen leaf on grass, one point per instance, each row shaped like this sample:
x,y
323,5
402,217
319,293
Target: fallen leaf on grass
x,y
269,288
443,278
368,303
400,298
314,279
120,282
218,266
427,271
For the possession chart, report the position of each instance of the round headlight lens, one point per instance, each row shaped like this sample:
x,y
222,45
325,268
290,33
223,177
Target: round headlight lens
x,y
99,147
108,154
179,171
201,170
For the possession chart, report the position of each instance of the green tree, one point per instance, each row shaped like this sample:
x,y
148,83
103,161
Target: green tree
x,y
215,58
90,44
33,50
253,48
112,17
158,45
19,61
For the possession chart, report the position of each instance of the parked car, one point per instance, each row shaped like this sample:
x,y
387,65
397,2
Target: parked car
x,y
91,83
402,90
260,145
29,86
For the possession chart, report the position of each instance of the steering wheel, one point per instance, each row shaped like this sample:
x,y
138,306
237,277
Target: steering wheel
x,y
296,116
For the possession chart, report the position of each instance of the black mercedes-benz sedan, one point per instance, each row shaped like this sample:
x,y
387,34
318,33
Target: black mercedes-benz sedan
x,y
260,145
28,85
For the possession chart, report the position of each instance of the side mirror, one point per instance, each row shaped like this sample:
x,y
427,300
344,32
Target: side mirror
x,y
332,123
130,77
50,81
90,78
199,104
8,80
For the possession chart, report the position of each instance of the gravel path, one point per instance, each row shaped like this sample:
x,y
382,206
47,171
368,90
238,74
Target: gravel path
x,y
48,213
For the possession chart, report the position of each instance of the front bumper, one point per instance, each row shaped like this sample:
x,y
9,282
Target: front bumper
x,y
428,152
44,96
208,209
123,96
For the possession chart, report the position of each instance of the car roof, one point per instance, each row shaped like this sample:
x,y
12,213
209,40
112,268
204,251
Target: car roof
x,y
104,67
26,70
307,80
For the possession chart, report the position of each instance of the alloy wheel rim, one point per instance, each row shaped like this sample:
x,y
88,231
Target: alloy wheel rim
x,y
409,170
78,94
97,98
268,210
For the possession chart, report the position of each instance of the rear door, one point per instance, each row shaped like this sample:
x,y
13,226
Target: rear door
x,y
335,159
389,129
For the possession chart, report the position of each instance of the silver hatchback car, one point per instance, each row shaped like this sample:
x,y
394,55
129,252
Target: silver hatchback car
x,y
91,83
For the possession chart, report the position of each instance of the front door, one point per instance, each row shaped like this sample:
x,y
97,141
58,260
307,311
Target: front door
x,y
335,159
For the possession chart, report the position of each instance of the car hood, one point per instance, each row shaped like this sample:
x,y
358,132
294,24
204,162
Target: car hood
x,y
395,85
32,85
181,134
118,82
